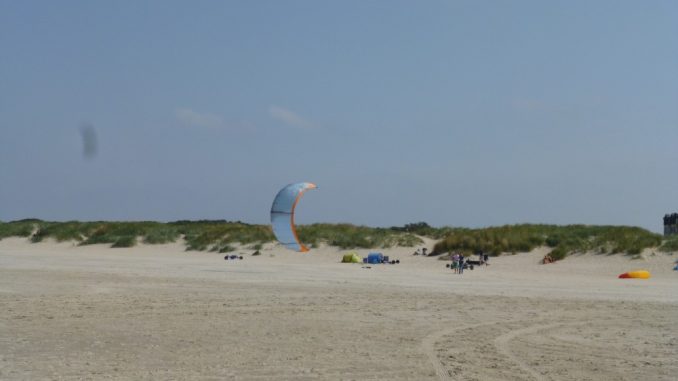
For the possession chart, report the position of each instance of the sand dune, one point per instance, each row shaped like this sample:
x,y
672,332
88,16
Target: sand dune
x,y
158,312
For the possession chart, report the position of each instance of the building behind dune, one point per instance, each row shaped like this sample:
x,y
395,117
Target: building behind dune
x,y
670,224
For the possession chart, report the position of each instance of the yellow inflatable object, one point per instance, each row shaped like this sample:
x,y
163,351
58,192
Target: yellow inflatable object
x,y
639,274
351,257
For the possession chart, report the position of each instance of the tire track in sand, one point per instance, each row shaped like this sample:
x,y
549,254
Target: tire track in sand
x,y
502,345
428,346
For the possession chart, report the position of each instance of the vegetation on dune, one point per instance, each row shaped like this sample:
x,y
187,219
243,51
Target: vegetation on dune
x,y
347,236
208,235
563,240
670,244
221,235
161,234
224,236
199,235
21,228
63,231
424,229
118,234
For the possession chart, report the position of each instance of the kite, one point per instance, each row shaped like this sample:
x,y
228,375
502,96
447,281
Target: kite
x,y
282,215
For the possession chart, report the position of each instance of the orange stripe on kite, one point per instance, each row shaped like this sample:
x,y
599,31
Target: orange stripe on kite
x,y
302,247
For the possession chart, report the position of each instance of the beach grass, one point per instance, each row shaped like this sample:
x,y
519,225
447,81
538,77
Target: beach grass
x,y
220,235
20,228
210,235
348,236
424,229
224,236
670,244
563,240
65,231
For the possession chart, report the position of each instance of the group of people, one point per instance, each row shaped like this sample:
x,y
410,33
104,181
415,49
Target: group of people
x,y
423,252
459,262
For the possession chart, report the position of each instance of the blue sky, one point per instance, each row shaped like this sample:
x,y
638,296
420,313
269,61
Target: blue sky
x,y
463,113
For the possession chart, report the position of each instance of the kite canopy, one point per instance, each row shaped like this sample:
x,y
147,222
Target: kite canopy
x,y
282,215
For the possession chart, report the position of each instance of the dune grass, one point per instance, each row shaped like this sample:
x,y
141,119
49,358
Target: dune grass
x,y
347,236
563,240
670,244
424,229
220,236
117,234
224,236
20,228
206,235
63,231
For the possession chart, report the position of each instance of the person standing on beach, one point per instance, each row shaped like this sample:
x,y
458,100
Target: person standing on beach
x,y
461,263
455,263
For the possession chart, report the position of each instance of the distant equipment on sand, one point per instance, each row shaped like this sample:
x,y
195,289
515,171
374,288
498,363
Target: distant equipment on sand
x,y
372,258
635,274
282,215
454,266
233,257
351,257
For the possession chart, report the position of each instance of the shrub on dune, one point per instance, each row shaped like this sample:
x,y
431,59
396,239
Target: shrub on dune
x,y
563,240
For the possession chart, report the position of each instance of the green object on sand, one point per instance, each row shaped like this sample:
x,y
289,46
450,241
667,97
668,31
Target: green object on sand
x,y
351,257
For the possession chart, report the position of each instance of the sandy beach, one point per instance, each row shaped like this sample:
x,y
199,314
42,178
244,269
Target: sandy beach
x,y
157,312
532,131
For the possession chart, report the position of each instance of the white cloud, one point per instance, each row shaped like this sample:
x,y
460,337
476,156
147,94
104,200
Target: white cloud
x,y
288,117
197,119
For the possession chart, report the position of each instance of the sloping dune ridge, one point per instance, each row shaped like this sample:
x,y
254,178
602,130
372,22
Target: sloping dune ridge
x,y
158,312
